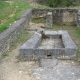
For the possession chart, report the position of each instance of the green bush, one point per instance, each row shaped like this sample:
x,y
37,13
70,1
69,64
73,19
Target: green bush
x,y
68,2
53,3
61,3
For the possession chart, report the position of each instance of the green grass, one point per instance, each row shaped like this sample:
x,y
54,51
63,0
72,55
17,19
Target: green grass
x,y
38,20
42,7
21,39
55,25
78,31
78,51
5,55
11,12
63,27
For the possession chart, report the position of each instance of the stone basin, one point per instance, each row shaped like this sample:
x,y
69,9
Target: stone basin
x,y
51,44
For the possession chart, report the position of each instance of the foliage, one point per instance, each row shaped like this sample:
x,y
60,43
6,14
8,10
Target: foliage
x,y
38,20
57,3
53,3
78,31
22,38
0,2
5,55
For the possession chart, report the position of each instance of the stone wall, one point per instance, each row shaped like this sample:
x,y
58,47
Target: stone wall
x,y
31,49
78,18
60,16
9,35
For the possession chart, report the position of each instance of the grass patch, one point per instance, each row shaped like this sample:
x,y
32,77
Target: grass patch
x,y
78,31
55,25
10,12
21,39
42,7
39,20
5,55
63,27
78,51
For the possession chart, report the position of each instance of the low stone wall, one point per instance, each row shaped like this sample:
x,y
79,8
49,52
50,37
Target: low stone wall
x,y
9,35
60,15
27,47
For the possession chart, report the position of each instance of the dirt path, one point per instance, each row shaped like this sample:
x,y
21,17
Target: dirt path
x,y
12,69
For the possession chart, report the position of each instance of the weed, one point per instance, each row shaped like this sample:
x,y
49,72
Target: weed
x,y
78,51
78,31
21,39
5,55
38,20
76,59
42,7
55,25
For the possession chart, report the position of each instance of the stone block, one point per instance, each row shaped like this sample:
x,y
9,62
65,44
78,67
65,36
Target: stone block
x,y
78,18
28,47
49,20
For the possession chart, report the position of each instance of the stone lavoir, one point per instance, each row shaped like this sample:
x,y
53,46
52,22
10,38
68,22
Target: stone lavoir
x,y
48,44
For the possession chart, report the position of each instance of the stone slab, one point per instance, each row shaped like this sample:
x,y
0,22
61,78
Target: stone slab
x,y
48,62
64,70
33,42
49,20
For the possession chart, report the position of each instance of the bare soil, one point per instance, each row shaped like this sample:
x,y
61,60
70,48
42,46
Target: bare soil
x,y
13,69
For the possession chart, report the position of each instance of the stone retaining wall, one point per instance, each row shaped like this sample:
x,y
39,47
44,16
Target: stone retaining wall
x,y
14,31
60,15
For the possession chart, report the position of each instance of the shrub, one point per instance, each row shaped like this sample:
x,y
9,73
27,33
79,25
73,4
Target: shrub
x,y
60,3
53,3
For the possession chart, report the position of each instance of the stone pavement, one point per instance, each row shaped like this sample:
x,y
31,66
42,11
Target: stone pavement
x,y
61,70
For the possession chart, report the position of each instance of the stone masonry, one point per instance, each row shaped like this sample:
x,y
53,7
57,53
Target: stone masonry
x,y
26,49
78,18
66,16
30,50
49,20
9,35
